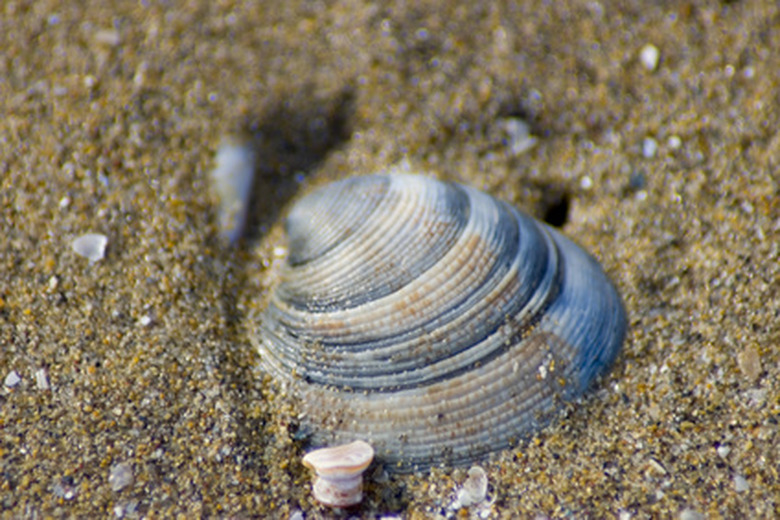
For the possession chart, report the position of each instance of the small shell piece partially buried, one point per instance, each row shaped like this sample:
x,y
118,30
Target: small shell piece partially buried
x,y
339,480
232,179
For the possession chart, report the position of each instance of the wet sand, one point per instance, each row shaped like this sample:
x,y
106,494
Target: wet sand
x,y
130,387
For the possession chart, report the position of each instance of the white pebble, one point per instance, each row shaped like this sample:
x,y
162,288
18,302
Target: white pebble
x,y
232,178
723,451
91,246
674,142
474,489
12,379
145,321
120,476
649,147
518,134
108,37
649,56
41,379
586,182
740,484
691,514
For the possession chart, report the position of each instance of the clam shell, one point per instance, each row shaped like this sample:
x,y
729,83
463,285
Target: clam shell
x,y
432,320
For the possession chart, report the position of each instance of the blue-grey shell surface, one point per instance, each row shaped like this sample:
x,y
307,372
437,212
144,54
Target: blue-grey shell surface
x,y
432,320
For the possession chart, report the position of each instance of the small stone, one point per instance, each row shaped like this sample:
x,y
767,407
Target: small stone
x,y
723,451
518,135
656,466
91,246
674,142
120,476
108,37
12,379
145,321
474,489
741,484
41,379
65,488
232,179
749,361
691,514
649,56
649,148
586,182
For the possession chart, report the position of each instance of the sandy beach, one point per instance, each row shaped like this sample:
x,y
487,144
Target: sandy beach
x,y
130,387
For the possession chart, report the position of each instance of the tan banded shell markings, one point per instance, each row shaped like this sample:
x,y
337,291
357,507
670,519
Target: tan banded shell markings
x,y
432,320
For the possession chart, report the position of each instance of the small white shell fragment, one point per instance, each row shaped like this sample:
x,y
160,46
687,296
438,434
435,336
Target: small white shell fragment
x,y
339,480
740,484
474,489
232,178
649,147
649,56
674,142
12,379
41,379
518,134
145,321
691,514
749,362
586,182
108,37
120,476
91,246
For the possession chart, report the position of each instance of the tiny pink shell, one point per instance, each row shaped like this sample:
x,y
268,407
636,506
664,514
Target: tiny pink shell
x,y
339,481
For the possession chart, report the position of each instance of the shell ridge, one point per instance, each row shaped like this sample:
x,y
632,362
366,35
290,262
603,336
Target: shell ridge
x,y
368,381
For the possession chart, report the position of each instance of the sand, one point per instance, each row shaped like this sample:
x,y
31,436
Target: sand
x,y
130,387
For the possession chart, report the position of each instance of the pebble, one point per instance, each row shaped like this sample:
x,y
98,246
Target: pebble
x,y
691,514
586,182
649,56
723,451
519,138
145,321
749,361
741,484
232,179
108,37
12,379
41,379
674,142
91,246
120,476
649,147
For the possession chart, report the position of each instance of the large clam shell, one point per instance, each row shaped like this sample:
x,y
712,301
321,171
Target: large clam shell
x,y
432,320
